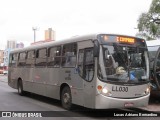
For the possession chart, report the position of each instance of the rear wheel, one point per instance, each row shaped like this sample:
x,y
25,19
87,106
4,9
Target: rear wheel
x,y
66,98
20,88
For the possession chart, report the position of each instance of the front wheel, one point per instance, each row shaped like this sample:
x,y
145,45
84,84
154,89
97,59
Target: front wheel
x,y
66,98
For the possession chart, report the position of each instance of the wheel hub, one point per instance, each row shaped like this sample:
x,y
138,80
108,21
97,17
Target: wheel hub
x,y
66,98
19,88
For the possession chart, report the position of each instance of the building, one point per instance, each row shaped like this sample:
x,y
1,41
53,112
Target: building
x,y
20,45
49,34
11,44
6,56
1,57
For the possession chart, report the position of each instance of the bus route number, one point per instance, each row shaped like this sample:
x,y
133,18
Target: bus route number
x,y
119,89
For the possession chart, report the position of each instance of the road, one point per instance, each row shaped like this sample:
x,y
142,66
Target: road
x,y
11,101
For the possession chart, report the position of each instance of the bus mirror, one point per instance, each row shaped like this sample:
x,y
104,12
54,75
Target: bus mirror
x,y
96,49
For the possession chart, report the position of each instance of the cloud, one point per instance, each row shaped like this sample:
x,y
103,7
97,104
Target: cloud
x,y
68,17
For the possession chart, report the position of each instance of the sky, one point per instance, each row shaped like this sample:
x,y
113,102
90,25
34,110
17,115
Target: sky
x,y
67,18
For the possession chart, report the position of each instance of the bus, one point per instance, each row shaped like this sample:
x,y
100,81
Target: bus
x,y
154,56
97,71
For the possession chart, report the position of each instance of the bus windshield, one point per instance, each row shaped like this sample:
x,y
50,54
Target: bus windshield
x,y
123,63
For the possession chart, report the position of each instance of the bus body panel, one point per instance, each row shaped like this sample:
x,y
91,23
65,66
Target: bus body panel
x,y
26,75
71,77
52,82
124,91
39,77
121,95
89,93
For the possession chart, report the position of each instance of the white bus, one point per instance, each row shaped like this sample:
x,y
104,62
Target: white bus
x,y
96,71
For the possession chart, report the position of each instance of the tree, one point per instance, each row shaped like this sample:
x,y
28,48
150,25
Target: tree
x,y
149,23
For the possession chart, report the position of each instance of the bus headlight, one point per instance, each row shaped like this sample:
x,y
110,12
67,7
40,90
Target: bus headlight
x,y
104,91
147,91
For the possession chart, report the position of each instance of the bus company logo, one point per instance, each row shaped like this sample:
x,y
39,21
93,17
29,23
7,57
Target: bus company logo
x,y
6,114
21,114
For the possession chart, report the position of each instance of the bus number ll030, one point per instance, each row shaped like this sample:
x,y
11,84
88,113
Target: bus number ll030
x,y
119,89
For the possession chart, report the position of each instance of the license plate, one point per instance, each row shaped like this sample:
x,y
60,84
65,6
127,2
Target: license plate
x,y
128,105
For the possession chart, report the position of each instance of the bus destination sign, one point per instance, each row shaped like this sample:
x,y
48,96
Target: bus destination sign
x,y
128,40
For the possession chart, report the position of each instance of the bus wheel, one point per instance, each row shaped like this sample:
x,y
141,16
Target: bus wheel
x,y
66,98
20,88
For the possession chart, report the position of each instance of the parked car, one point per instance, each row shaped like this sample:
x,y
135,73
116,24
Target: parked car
x,y
5,72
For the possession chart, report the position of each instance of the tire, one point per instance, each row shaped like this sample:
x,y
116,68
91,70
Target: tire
x,y
66,98
20,88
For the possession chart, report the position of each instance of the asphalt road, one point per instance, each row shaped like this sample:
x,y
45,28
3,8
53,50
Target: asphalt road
x,y
10,101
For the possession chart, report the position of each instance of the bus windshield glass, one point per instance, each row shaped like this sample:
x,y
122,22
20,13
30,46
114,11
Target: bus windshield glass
x,y
122,63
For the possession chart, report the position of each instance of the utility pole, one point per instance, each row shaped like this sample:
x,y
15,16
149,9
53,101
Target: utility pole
x,y
34,30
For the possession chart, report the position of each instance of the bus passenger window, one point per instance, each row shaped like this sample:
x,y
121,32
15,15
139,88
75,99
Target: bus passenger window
x,y
54,56
22,59
30,59
41,57
14,58
69,55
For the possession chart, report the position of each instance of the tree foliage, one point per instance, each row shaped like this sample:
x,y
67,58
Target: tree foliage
x,y
149,23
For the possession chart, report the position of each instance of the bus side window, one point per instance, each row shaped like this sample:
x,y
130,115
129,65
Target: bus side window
x,y
30,59
41,59
69,55
22,59
14,58
54,56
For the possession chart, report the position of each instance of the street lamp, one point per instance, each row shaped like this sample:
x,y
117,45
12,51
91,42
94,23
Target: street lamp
x,y
34,30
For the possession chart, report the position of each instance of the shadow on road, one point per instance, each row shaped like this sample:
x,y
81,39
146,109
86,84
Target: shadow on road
x,y
154,97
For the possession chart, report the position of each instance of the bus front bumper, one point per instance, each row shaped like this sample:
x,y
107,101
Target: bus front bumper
x,y
103,102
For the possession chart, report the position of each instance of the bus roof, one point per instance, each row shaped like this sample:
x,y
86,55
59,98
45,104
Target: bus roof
x,y
64,41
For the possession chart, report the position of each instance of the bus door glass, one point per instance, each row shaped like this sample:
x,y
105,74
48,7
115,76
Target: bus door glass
x,y
86,64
